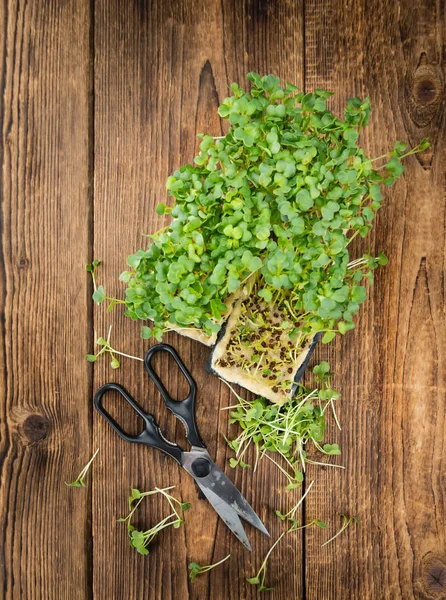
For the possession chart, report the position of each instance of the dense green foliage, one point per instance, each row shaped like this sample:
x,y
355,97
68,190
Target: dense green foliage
x,y
283,193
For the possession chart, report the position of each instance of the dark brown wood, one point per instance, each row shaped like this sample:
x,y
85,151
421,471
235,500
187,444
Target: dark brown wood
x,y
391,369
99,103
45,528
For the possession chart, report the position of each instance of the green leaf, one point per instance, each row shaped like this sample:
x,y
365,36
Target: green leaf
x,y
193,224
99,295
304,200
358,294
328,336
320,524
350,135
115,364
344,326
331,449
266,294
218,308
252,263
395,167
146,332
91,357
322,368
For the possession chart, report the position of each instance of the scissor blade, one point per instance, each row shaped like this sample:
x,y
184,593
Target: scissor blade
x,y
227,514
222,487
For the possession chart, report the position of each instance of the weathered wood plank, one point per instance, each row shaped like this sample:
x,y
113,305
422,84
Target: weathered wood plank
x,y
391,369
161,70
45,537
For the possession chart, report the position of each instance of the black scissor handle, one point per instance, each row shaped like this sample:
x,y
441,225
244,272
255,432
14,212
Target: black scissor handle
x,y
150,435
182,409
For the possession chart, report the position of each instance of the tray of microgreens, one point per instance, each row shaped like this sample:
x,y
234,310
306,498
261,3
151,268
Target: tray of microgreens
x,y
257,262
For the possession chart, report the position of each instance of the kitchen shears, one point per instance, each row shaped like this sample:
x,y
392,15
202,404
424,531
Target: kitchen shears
x,y
218,489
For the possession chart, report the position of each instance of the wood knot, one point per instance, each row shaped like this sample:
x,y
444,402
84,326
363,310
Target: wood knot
x,y
434,575
424,92
436,578
34,428
22,263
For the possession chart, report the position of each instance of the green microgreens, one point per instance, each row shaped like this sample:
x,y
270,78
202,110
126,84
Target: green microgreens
x,y
141,539
285,430
99,294
345,523
259,578
80,480
195,569
106,348
291,516
91,268
282,195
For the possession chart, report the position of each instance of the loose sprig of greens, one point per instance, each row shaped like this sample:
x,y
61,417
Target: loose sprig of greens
x,y
283,193
105,346
290,518
99,294
291,515
285,430
142,539
91,268
259,578
195,569
346,521
80,479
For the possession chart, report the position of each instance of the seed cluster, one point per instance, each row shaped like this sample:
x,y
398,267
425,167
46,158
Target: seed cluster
x,y
266,341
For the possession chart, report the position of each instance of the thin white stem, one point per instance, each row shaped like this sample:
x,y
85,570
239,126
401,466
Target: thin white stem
x,y
294,509
334,414
343,528
209,567
258,364
314,462
126,355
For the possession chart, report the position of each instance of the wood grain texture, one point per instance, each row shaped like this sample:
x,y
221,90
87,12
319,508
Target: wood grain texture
x,y
45,536
161,70
99,103
391,369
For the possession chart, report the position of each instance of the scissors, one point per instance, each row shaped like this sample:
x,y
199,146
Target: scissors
x,y
218,489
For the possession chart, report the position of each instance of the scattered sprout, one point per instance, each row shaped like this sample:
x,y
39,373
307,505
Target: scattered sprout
x,y
259,578
80,480
105,346
195,569
99,294
142,539
345,523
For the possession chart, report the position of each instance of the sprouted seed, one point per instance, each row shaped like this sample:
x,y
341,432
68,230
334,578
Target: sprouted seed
x,y
140,540
195,569
105,346
80,480
346,521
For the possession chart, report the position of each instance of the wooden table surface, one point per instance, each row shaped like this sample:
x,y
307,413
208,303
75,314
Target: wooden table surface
x,y
100,102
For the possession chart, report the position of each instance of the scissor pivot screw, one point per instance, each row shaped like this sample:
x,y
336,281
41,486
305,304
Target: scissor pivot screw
x,y
201,467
